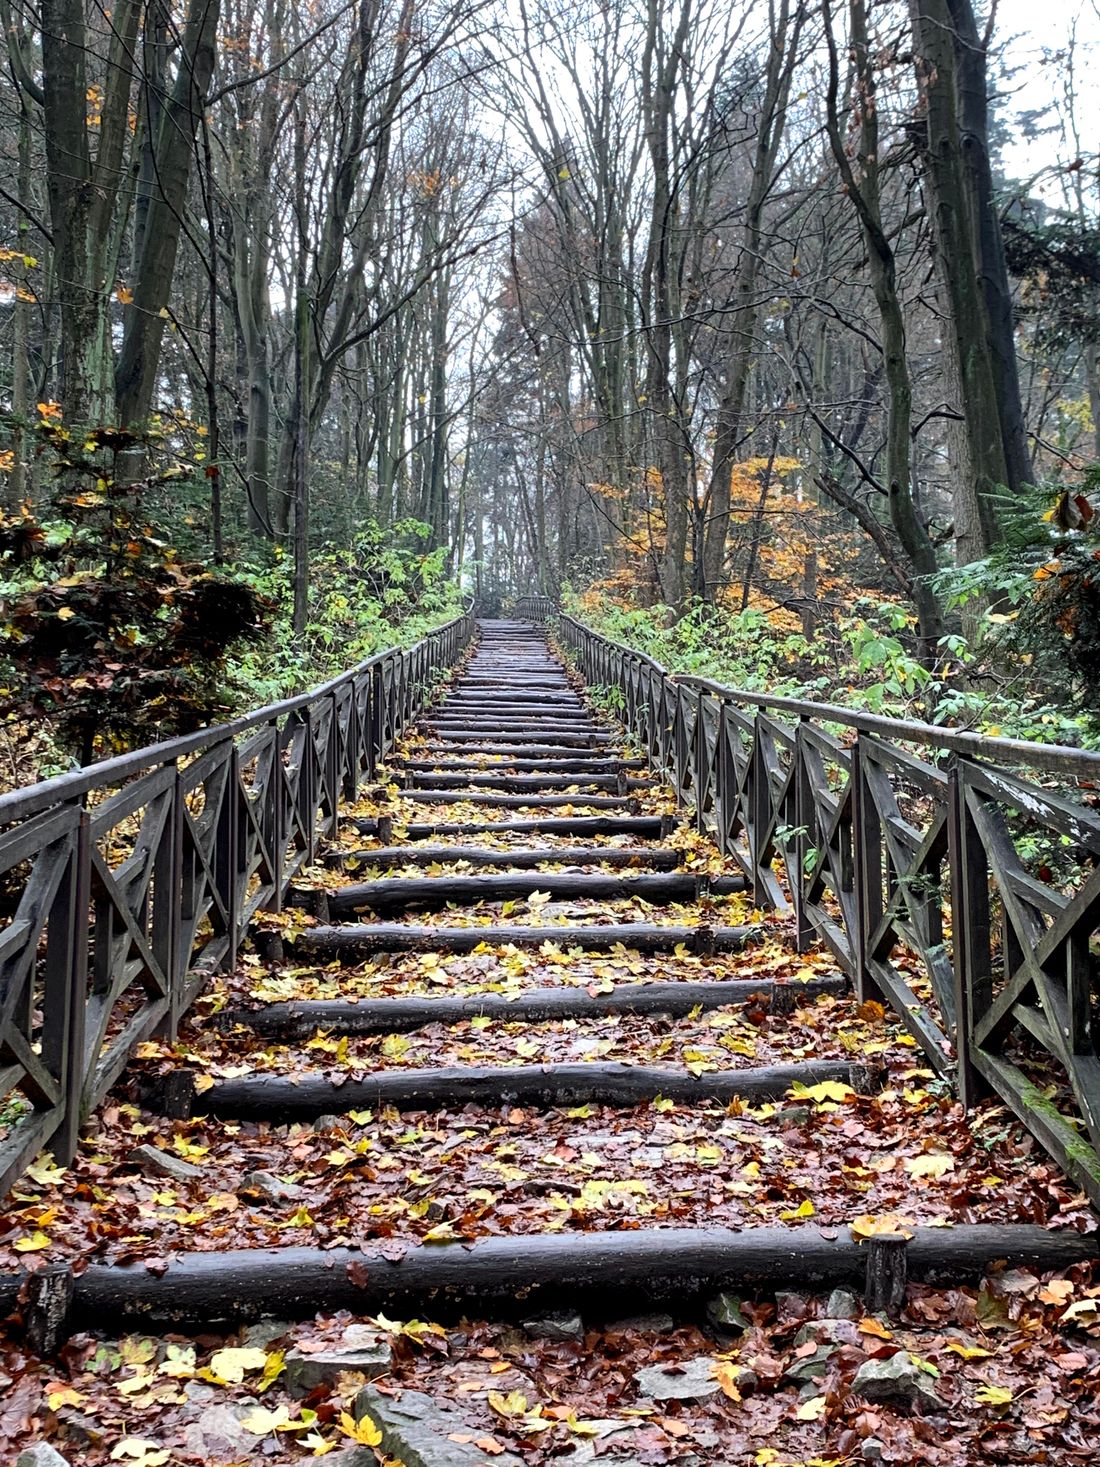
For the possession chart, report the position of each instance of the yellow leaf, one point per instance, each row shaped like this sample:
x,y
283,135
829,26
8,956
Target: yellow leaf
x,y
931,1164
513,1404
136,1451
32,1242
804,1209
871,1326
362,1431
66,614
124,295
64,1396
811,1410
44,1171
825,1090
231,1365
885,1226
993,1395
969,1352
443,1232
727,1376
273,1368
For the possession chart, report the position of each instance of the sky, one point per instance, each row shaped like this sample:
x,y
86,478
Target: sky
x,y
1027,28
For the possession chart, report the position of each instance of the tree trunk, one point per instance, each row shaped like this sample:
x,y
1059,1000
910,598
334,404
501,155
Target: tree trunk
x,y
144,322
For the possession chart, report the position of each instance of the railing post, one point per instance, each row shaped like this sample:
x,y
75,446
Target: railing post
x,y
227,872
803,815
760,808
970,930
867,860
66,1137
332,766
168,895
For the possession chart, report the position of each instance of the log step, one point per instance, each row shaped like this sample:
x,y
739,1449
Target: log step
x,y
519,783
655,857
380,937
535,1005
282,1100
525,738
651,827
514,766
521,750
396,893
532,801
531,1272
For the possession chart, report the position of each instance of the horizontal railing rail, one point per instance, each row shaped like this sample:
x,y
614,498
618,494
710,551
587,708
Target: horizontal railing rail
x,y
535,608
128,883
953,876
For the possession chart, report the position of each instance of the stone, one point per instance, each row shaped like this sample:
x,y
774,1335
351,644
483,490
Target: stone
x,y
263,1333
329,1123
563,1326
269,1186
649,1324
872,1450
163,1164
692,1381
41,1455
827,1332
724,1310
793,1115
218,1432
843,1304
418,1430
896,1381
370,1355
809,1367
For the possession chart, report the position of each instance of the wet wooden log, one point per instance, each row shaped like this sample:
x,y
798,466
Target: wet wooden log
x,y
887,1274
380,937
652,827
418,855
502,1276
619,783
594,765
533,801
534,1005
525,738
399,893
281,1100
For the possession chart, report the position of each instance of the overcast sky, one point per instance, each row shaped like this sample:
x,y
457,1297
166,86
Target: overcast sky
x,y
1027,28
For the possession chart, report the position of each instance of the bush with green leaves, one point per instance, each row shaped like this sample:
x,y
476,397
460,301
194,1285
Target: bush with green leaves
x,y
107,633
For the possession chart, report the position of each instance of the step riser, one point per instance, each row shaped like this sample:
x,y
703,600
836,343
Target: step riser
x,y
379,937
282,1101
404,1016
604,1272
639,856
395,894
648,827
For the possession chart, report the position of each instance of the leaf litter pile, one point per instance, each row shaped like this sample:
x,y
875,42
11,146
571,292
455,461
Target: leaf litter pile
x,y
1002,1371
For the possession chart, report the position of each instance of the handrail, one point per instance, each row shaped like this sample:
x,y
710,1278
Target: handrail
x,y
1055,758
135,879
961,868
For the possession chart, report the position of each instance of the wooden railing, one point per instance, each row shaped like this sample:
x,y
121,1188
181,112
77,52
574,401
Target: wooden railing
x,y
954,876
535,608
129,882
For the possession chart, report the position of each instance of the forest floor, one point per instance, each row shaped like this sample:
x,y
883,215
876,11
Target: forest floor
x,y
1001,1369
